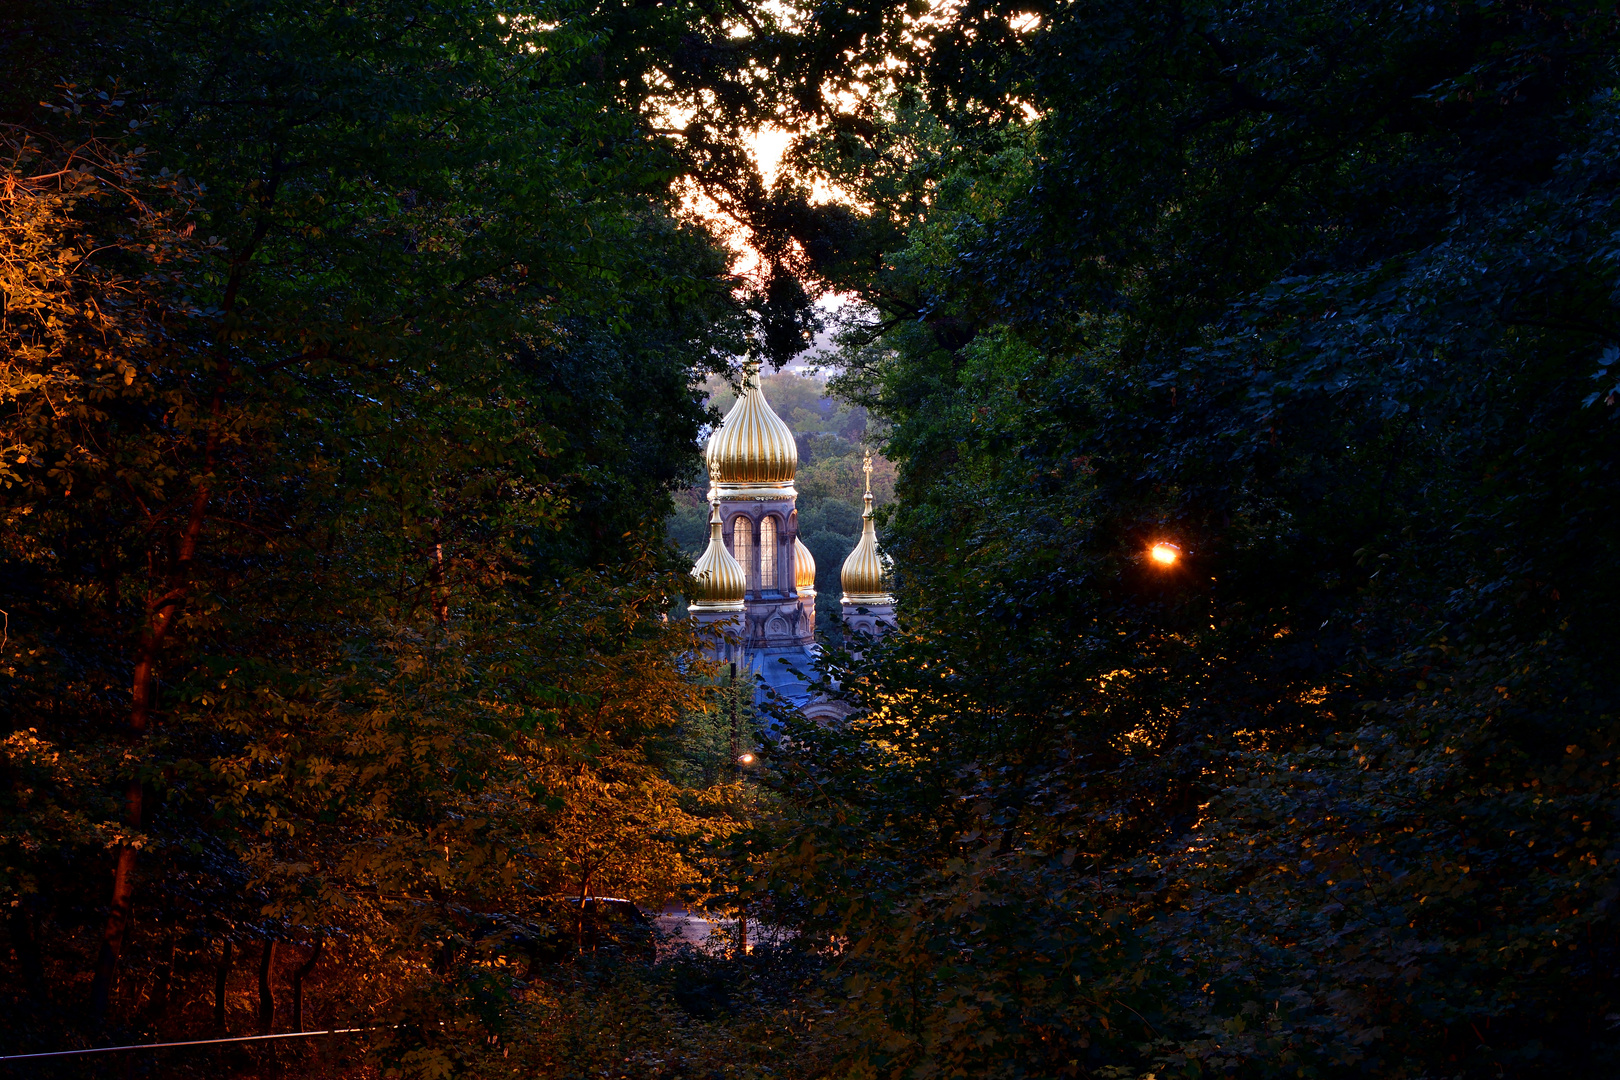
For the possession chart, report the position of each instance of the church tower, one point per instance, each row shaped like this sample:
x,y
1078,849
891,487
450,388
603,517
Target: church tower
x,y
756,582
868,607
716,603
752,462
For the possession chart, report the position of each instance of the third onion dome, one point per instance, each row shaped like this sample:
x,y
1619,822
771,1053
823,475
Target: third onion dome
x,y
804,568
753,454
863,574
720,583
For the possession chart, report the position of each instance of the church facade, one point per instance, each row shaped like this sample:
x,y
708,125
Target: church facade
x,y
755,583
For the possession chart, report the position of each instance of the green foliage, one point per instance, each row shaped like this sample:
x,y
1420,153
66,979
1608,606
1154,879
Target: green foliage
x,y
1316,292
708,741
350,360
353,355
688,526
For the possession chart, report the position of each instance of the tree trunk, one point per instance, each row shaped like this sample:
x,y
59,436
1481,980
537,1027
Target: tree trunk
x,y
579,923
438,596
742,933
162,614
162,611
220,973
267,1000
121,909
300,973
736,740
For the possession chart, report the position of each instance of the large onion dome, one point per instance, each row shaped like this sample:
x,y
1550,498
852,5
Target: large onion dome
x,y
804,568
863,576
753,454
719,577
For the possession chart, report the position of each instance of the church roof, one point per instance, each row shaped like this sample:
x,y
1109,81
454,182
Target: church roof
x,y
753,452
804,567
721,583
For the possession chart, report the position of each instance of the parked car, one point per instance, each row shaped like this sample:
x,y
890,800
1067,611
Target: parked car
x,y
611,924
601,926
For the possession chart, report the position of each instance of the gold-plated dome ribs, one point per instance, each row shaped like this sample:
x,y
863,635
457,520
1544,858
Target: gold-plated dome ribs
x,y
804,568
863,576
753,454
720,580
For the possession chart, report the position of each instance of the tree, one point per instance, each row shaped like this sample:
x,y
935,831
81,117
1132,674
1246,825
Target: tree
x,y
337,433
1316,292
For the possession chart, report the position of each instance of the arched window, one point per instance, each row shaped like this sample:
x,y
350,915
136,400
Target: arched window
x,y
767,553
742,543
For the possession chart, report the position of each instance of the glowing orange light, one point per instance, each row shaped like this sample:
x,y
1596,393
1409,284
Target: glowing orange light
x,y
1164,554
747,759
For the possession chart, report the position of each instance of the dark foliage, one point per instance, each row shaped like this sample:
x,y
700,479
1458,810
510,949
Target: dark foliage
x,y
1325,295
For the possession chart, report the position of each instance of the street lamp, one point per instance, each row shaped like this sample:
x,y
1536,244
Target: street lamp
x,y
1165,555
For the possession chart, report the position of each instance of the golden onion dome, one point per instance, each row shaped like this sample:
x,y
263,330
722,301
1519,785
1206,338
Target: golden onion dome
x,y
863,576
753,454
804,568
719,577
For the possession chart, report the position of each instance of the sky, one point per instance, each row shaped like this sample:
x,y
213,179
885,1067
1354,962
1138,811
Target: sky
x,y
767,145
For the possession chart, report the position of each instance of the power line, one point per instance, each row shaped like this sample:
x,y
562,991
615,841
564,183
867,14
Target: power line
x,y
193,1042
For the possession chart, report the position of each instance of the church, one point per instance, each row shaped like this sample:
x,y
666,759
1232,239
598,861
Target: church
x,y
755,582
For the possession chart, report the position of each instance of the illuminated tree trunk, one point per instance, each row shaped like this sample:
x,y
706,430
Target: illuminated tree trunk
x,y
579,924
438,597
162,612
160,621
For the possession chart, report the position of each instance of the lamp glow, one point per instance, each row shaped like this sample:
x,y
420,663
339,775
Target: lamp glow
x,y
1164,554
747,759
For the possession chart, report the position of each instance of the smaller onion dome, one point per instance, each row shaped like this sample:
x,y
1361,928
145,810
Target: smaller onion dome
x,y
863,574
804,568
720,580
753,454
